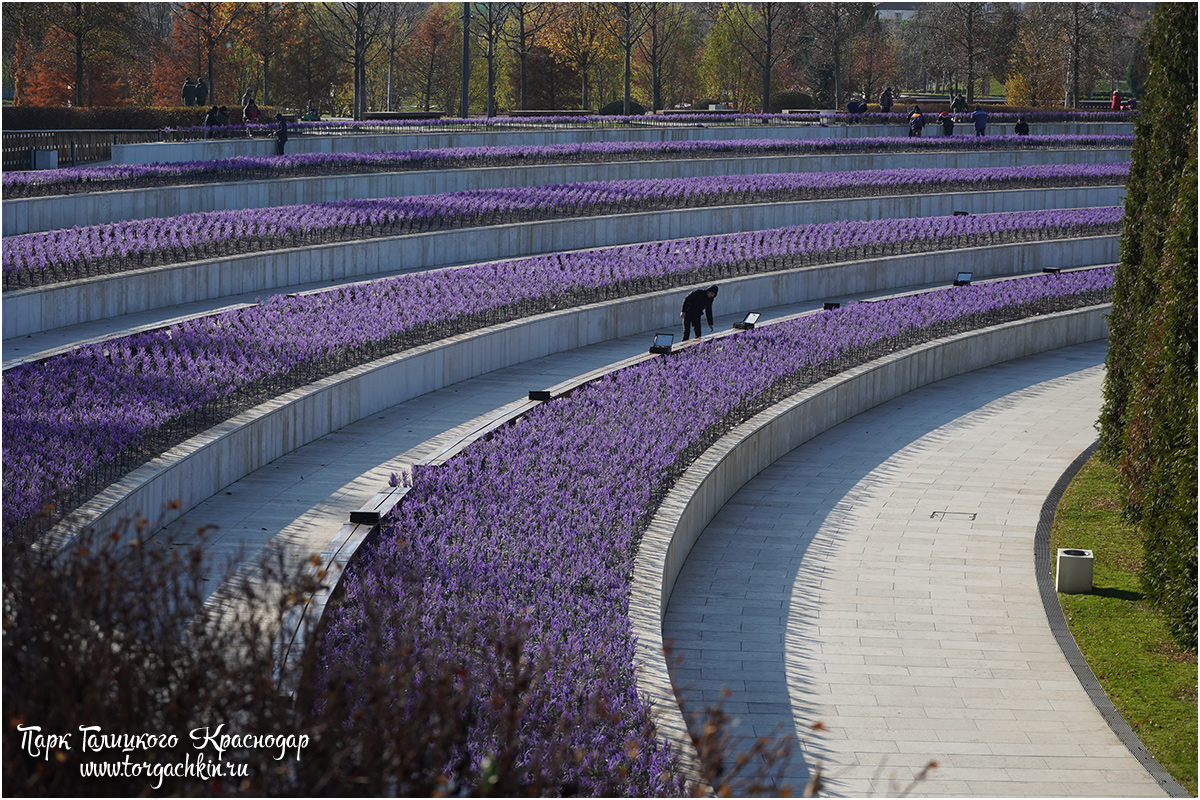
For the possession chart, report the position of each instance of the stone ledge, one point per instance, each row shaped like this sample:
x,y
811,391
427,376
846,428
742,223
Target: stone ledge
x,y
753,446
673,131
27,215
205,464
29,311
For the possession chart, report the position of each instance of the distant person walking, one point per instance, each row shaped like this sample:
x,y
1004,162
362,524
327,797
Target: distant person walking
x,y
1021,128
201,92
189,92
1116,100
281,136
979,117
885,101
695,305
959,106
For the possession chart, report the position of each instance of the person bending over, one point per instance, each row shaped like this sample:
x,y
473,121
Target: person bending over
x,y
694,305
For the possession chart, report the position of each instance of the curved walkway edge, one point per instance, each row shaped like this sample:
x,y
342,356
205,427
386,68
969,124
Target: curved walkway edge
x,y
756,444
1044,566
202,466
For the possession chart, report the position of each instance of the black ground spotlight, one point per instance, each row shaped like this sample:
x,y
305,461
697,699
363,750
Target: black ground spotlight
x,y
1051,270
662,343
831,305
541,395
963,279
962,213
747,324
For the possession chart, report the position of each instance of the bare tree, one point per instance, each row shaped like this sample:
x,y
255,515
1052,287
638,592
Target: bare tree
x,y
767,33
1088,30
350,29
399,22
213,24
490,20
830,28
661,23
526,21
626,25
965,28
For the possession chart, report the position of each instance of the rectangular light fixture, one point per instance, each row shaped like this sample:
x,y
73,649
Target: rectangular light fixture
x,y
539,394
662,343
830,306
963,279
748,323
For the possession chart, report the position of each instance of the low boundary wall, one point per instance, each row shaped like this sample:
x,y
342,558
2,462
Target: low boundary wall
x,y
756,444
29,311
208,462
28,215
205,150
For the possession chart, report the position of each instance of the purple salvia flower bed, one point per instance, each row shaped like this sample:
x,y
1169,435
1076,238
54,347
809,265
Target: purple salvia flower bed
x,y
37,259
134,176
77,422
539,523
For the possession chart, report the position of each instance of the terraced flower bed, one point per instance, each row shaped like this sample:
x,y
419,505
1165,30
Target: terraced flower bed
x,y
39,183
538,525
39,259
77,422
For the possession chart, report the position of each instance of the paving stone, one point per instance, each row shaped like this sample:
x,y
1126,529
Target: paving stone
x,y
925,637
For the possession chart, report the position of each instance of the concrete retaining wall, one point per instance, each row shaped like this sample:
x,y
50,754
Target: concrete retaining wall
x,y
204,150
854,277
34,310
752,447
47,213
205,464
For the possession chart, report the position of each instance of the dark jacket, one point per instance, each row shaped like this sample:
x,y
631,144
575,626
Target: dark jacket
x,y
697,303
281,131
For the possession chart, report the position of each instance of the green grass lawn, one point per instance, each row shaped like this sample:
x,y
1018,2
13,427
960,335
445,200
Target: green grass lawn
x,y
1149,679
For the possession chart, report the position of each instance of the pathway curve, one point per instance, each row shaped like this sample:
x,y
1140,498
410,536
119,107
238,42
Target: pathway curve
x,y
879,579
300,500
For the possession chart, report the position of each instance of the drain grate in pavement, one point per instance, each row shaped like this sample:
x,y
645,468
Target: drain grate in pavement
x,y
964,515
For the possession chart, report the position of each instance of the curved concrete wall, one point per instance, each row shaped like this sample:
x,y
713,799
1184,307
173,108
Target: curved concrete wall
x,y
204,150
202,466
753,446
46,308
47,213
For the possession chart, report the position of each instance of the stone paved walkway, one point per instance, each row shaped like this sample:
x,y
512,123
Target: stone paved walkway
x,y
300,500
880,579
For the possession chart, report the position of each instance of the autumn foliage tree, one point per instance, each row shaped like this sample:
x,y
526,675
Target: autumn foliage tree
x,y
581,39
429,58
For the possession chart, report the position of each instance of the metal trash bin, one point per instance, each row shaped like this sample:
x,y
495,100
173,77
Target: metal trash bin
x,y
45,159
1073,574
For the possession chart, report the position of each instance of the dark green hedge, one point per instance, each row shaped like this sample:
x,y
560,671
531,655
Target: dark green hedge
x,y
43,118
1148,423
790,99
617,107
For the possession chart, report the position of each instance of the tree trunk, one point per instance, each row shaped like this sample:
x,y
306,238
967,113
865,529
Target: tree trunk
x,y
266,86
524,82
466,60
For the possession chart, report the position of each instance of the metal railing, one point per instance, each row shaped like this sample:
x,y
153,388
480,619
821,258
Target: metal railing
x,y
74,147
